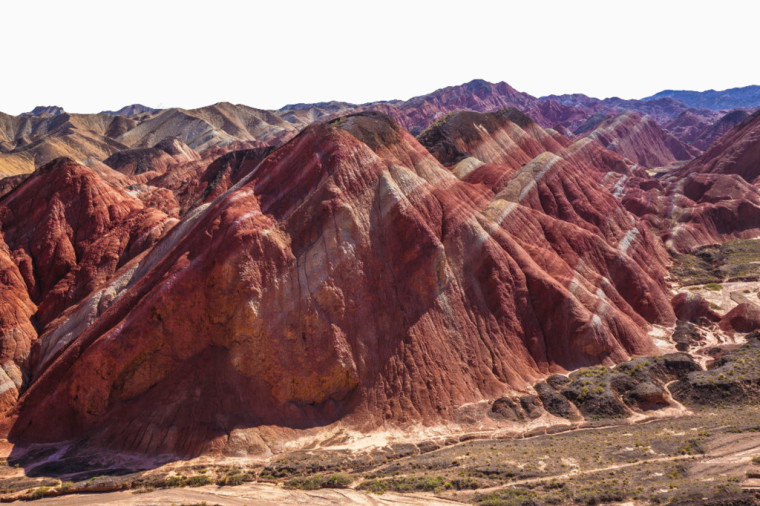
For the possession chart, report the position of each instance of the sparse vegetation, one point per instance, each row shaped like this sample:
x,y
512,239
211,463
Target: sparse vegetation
x,y
404,484
234,478
657,462
606,461
712,265
337,480
199,480
40,492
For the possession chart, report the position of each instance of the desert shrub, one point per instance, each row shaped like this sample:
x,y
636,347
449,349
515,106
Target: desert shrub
x,y
337,480
234,478
40,492
199,480
405,484
175,481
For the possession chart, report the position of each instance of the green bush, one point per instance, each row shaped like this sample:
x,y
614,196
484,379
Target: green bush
x,y
175,481
234,478
406,484
40,492
199,480
338,480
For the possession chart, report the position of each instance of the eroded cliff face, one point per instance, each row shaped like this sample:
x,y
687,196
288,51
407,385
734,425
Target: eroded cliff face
x,y
65,232
351,276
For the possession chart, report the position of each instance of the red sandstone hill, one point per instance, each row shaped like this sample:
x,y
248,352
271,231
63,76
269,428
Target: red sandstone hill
x,y
354,274
736,152
567,111
351,276
65,232
697,210
641,141
198,181
700,132
708,200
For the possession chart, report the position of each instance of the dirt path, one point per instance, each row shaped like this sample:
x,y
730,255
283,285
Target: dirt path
x,y
577,472
732,453
254,494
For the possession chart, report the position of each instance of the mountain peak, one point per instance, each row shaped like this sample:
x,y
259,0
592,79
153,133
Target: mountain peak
x,y
45,110
132,110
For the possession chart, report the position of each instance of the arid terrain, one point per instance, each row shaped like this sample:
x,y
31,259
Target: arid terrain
x,y
472,296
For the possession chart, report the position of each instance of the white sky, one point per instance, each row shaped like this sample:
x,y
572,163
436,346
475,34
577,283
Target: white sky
x,y
88,56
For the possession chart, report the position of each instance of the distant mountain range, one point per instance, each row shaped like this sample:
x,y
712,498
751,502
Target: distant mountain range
x,y
734,98
747,97
35,138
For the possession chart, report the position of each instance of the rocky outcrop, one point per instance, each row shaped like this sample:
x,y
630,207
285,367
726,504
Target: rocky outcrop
x,y
745,317
603,393
694,308
518,409
733,378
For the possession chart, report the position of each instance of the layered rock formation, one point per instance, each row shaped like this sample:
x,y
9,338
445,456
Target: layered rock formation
x,y
30,140
706,201
641,141
354,274
210,126
701,133
65,232
351,276
736,152
696,210
155,160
